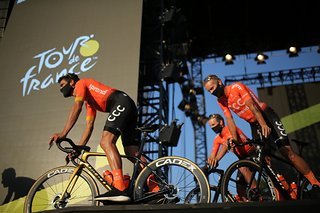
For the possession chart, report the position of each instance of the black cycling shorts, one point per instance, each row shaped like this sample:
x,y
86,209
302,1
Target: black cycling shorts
x,y
122,118
278,133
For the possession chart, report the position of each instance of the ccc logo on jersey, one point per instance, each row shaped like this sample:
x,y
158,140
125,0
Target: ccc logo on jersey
x,y
236,105
116,113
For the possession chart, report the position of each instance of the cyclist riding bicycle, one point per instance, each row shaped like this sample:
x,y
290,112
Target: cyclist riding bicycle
x,y
243,102
223,142
122,120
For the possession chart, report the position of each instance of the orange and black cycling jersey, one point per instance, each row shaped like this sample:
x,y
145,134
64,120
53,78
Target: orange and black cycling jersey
x,y
235,97
94,94
222,138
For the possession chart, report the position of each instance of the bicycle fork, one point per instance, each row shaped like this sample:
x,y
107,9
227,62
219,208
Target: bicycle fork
x,y
60,201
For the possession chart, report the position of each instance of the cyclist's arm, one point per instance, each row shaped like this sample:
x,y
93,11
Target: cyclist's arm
x,y
212,157
72,118
88,130
223,150
232,127
257,113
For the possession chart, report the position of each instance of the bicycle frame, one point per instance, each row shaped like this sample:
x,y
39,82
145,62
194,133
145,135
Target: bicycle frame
x,y
220,173
170,173
84,164
260,159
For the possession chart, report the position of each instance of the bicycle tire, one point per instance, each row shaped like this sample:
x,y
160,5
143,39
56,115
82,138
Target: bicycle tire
x,y
194,194
176,176
46,191
233,185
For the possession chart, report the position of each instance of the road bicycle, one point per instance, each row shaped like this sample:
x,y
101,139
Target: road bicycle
x,y
71,186
263,182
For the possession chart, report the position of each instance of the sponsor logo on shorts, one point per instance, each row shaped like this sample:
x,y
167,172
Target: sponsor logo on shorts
x,y
116,113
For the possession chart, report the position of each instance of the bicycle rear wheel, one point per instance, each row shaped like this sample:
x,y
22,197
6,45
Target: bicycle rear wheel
x,y
235,188
176,177
45,194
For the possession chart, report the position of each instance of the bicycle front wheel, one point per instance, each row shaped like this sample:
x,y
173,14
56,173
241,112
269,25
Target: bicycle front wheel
x,y
46,192
176,178
245,180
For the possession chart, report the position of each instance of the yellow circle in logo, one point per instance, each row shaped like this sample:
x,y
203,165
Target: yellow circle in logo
x,y
89,48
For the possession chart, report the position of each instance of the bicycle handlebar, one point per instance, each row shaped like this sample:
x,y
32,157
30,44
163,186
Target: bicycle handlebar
x,y
207,169
73,147
248,142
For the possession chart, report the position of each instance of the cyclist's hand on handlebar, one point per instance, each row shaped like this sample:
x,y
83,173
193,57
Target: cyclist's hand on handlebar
x,y
212,161
265,130
54,138
232,144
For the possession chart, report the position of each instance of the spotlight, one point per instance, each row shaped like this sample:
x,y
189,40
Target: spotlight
x,y
293,51
228,59
260,58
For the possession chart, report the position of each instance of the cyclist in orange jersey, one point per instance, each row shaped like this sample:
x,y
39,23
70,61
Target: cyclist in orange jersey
x,y
238,98
122,120
223,142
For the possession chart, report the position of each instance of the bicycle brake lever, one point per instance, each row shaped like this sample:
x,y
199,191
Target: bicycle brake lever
x,y
50,145
67,160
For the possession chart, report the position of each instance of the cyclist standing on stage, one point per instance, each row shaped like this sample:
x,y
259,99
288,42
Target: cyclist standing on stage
x,y
243,102
122,120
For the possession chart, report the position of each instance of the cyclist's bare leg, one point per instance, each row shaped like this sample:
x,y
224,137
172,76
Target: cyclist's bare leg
x,y
247,174
108,144
241,189
134,151
246,177
299,163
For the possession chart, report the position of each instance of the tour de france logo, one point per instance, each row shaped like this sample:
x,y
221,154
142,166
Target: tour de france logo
x,y
49,65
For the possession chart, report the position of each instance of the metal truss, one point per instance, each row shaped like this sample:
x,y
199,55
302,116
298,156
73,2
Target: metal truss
x,y
200,139
152,92
272,78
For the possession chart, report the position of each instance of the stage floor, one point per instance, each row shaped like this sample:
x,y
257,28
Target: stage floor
x,y
310,206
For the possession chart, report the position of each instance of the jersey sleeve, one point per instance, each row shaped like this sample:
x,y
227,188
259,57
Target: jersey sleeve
x,y
227,135
224,107
80,90
215,146
91,113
